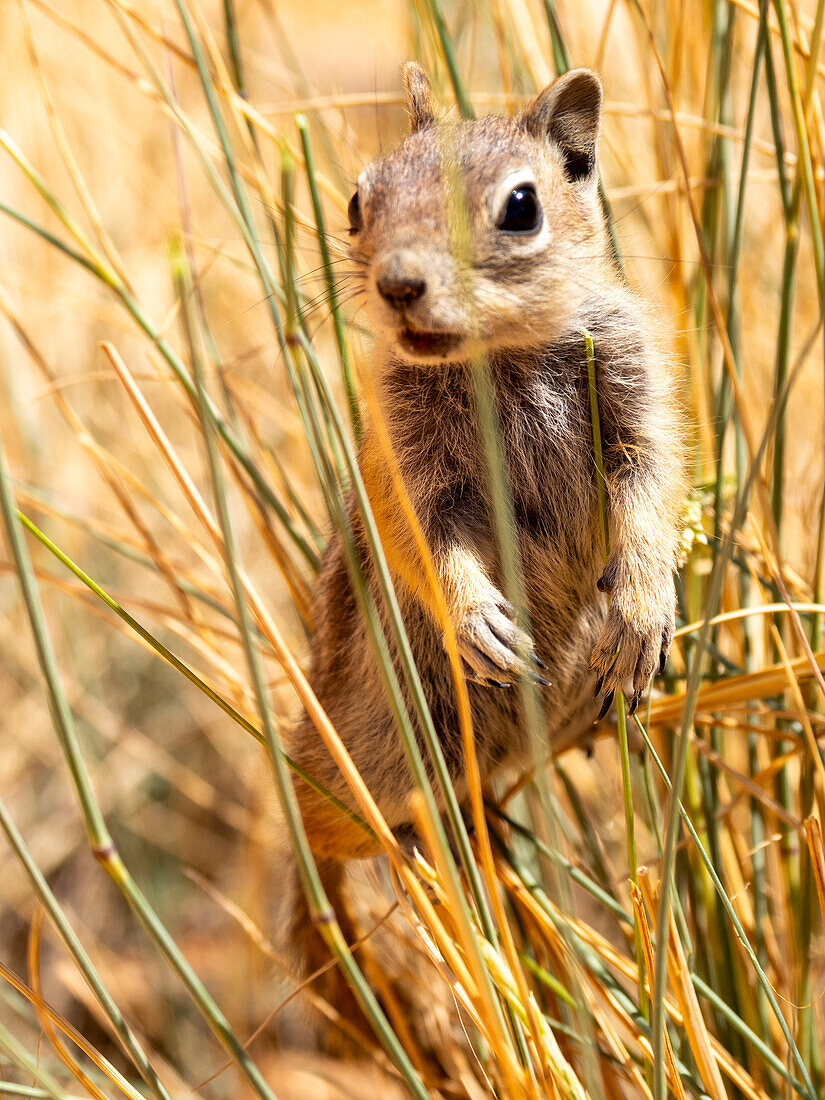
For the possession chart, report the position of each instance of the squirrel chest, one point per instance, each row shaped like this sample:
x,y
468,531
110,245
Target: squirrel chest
x,y
546,438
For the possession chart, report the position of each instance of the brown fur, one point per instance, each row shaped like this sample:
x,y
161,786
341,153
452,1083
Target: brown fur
x,y
525,298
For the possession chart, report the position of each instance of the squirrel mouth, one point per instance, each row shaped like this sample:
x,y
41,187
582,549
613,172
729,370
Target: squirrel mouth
x,y
419,342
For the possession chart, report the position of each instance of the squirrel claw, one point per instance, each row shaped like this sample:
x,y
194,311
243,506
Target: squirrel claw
x,y
606,705
493,645
634,639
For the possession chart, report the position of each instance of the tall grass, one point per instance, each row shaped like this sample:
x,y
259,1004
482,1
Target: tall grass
x,y
641,923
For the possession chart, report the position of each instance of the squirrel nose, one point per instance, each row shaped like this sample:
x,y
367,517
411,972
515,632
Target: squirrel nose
x,y
400,290
400,278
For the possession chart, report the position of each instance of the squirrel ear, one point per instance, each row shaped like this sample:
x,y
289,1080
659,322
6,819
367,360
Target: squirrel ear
x,y
420,98
567,112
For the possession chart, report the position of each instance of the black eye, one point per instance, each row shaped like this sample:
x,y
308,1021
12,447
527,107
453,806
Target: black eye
x,y
354,214
522,213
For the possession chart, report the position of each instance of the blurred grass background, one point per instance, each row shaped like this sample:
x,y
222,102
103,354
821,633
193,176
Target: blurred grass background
x,y
106,138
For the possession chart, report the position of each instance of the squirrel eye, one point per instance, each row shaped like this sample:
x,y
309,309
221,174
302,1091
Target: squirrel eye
x,y
522,213
354,214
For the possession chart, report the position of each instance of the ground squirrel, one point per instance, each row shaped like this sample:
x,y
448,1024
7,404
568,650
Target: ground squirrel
x,y
539,271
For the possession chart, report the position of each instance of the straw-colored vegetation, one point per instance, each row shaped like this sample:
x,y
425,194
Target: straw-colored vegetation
x,y
183,373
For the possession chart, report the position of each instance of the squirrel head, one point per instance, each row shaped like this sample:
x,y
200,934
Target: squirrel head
x,y
481,234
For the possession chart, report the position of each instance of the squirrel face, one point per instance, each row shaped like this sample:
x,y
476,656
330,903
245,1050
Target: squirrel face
x,y
484,234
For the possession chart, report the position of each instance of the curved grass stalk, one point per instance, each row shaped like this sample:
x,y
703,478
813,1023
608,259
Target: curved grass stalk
x,y
62,1050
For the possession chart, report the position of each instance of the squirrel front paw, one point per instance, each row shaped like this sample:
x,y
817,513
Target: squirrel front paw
x,y
636,635
494,650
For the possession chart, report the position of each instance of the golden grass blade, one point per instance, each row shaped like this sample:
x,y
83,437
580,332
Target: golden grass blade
x,y
736,689
33,958
513,1073
626,967
694,1023
747,612
114,1075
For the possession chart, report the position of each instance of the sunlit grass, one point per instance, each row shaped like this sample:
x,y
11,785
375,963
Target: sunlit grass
x,y
658,933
